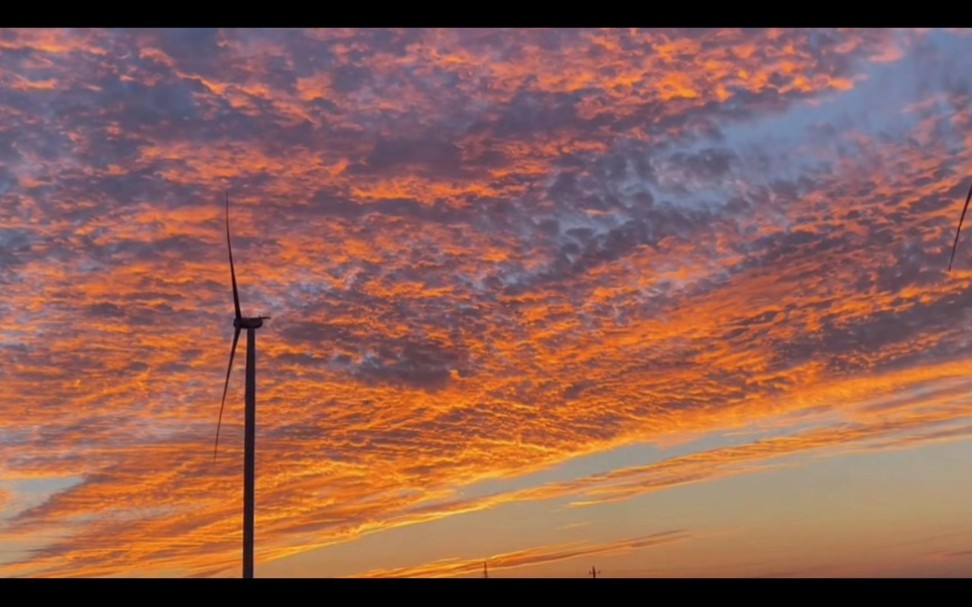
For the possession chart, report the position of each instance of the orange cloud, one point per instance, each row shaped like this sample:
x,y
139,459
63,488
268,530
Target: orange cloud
x,y
532,556
485,254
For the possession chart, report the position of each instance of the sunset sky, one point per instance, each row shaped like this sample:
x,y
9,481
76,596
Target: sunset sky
x,y
665,302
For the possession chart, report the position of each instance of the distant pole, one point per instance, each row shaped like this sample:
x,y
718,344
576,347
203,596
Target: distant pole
x,y
593,572
485,573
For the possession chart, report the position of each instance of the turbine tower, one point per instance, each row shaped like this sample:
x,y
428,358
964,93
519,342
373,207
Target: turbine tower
x,y
251,324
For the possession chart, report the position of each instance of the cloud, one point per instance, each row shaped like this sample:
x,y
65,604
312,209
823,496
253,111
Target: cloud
x,y
533,556
485,253
958,554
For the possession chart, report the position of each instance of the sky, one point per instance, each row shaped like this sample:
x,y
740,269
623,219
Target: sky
x,y
658,302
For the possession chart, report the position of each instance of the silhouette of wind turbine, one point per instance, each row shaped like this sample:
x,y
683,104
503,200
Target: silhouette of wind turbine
x,y
251,324
959,230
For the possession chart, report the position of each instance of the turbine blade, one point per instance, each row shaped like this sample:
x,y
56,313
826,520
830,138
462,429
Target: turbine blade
x,y
236,294
955,244
236,339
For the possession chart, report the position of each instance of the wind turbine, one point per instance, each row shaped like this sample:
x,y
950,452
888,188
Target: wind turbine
x,y
251,324
959,230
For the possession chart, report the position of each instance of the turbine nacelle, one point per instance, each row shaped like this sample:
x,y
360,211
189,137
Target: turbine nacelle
x,y
249,323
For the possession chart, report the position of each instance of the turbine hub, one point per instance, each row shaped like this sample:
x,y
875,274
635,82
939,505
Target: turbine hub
x,y
248,323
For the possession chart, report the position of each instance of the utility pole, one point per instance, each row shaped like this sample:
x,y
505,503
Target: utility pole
x,y
593,572
485,573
